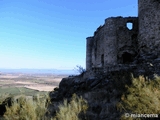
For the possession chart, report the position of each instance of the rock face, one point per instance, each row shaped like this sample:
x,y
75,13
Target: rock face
x,y
92,89
103,88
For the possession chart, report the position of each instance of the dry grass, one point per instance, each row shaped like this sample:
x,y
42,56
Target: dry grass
x,y
70,111
142,97
25,108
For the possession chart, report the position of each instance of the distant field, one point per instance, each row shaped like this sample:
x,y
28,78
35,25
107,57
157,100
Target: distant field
x,y
18,91
14,91
27,84
24,82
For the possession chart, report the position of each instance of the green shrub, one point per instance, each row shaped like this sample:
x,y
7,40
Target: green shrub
x,y
24,108
142,97
70,111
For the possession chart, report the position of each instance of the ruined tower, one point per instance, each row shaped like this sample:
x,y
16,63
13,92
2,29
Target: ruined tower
x,y
89,46
149,26
112,43
115,43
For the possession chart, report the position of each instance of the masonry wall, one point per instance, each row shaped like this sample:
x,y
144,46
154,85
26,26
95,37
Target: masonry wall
x,y
89,46
127,42
149,25
98,48
114,43
111,41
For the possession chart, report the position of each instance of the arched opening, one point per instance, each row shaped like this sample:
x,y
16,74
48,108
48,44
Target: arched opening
x,y
127,58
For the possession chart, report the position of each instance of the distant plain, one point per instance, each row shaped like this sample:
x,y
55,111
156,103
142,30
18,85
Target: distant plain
x,y
23,82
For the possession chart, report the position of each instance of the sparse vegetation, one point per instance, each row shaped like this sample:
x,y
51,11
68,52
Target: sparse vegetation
x,y
141,97
71,110
80,69
24,108
3,97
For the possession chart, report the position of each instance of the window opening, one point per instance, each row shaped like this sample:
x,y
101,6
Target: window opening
x,y
129,25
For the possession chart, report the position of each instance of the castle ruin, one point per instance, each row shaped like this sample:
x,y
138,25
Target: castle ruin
x,y
115,54
115,43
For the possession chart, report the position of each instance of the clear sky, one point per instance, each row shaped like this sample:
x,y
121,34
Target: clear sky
x,y
52,33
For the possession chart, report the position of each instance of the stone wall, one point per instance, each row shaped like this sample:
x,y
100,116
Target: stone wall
x,y
89,46
127,39
115,43
149,25
112,43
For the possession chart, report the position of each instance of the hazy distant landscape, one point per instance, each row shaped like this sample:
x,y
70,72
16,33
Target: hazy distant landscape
x,y
39,71
28,84
33,80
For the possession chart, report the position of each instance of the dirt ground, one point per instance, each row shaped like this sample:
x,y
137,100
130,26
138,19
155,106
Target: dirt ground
x,y
41,82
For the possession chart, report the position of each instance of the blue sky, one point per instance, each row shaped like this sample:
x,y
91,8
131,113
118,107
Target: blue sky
x,y
52,33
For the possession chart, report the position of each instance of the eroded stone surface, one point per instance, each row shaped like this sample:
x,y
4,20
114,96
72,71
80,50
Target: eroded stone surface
x,y
112,42
103,89
117,43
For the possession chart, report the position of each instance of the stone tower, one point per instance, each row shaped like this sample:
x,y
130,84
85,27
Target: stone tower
x,y
115,43
112,43
89,46
149,26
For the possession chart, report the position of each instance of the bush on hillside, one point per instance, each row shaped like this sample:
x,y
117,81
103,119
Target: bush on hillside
x,y
142,97
25,108
71,111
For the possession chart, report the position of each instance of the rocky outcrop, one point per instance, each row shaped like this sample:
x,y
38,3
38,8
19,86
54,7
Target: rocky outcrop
x,y
93,90
113,54
103,88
